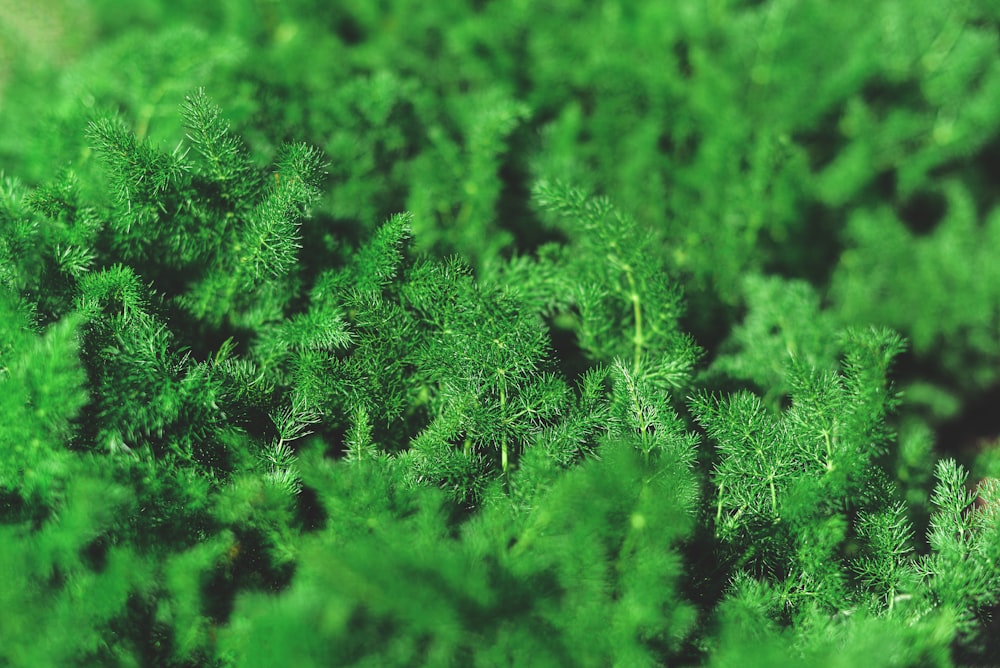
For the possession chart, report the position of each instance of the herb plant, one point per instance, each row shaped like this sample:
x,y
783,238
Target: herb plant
x,y
315,351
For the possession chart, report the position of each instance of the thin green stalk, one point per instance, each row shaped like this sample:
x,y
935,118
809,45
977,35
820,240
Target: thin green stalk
x,y
638,339
503,435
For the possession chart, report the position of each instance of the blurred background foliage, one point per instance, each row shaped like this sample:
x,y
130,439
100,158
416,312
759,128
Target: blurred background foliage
x,y
781,153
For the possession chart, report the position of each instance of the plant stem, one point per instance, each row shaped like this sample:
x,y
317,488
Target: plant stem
x,y
637,315
503,435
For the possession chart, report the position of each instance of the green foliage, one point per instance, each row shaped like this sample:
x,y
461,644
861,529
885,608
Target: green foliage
x,y
786,482
67,577
399,590
488,334
946,302
619,286
784,321
43,392
965,541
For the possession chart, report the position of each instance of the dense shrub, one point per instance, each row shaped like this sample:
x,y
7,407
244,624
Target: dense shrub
x,y
481,333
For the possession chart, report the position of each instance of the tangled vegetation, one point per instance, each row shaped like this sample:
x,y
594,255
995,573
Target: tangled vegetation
x,y
499,333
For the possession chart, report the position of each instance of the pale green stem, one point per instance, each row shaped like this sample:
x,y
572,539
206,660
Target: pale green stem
x,y
503,436
638,340
829,450
774,496
718,507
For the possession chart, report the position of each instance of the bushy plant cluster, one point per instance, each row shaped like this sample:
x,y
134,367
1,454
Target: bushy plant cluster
x,y
477,334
